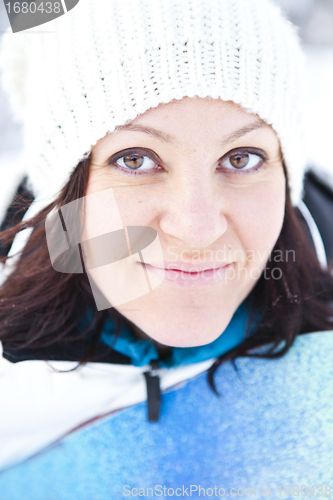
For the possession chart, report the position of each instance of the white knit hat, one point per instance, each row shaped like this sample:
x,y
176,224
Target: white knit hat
x,y
107,61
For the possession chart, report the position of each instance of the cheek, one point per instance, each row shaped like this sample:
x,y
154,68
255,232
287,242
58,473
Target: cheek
x,y
259,217
107,207
136,205
108,211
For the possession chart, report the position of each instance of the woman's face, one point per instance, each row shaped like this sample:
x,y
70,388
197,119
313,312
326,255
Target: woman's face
x,y
207,177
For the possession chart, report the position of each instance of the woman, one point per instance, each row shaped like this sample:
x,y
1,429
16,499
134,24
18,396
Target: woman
x,y
166,165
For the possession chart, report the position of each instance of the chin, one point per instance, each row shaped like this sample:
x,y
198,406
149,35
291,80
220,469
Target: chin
x,y
189,335
191,321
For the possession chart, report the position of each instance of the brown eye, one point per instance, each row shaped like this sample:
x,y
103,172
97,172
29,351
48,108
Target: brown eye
x,y
133,162
239,160
245,162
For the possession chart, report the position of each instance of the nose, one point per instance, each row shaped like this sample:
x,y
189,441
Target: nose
x,y
194,214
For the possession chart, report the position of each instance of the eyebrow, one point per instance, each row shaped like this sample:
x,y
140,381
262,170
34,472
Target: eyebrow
x,y
157,134
164,137
243,131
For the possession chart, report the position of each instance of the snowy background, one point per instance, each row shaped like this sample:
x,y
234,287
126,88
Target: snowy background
x,y
315,21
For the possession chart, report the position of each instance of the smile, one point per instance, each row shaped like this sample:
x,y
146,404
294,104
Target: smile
x,y
188,279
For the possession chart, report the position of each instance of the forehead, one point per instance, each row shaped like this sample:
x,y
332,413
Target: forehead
x,y
194,117
203,122
195,111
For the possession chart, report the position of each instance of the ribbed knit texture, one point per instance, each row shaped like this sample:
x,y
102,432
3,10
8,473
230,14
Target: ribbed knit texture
x,y
106,62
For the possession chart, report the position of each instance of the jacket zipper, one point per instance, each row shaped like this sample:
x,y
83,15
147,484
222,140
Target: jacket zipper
x,y
153,391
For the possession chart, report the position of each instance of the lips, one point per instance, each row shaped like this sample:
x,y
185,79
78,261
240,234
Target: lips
x,y
190,268
186,278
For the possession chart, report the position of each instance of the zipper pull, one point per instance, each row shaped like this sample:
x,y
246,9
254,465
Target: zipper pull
x,y
153,391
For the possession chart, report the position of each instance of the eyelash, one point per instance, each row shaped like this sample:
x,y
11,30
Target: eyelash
x,y
139,153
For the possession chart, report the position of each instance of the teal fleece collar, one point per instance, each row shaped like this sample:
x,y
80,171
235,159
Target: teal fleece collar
x,y
142,352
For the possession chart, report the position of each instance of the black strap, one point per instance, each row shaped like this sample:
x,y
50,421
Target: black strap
x,y
153,393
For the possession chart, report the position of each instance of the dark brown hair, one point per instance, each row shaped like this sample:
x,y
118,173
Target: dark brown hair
x,y
40,307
